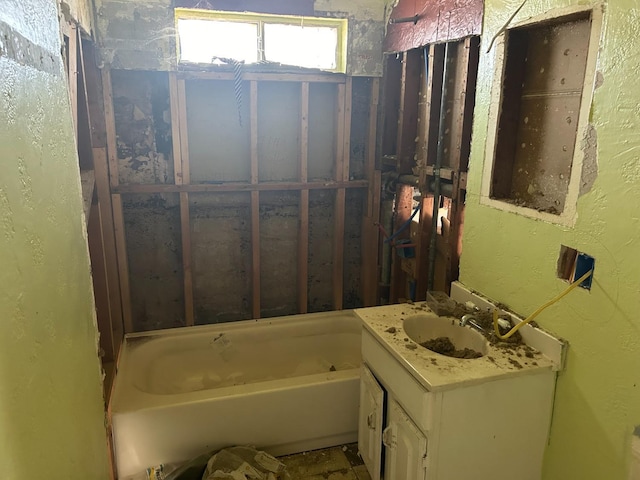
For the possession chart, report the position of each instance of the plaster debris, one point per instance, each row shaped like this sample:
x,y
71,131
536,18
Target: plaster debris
x,y
590,162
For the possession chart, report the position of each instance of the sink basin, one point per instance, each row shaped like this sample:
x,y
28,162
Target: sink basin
x,y
424,327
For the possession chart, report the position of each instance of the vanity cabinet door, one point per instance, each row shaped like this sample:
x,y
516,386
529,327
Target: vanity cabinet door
x,y
370,422
406,446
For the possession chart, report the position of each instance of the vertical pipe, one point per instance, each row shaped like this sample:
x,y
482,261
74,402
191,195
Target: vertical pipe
x,y
436,170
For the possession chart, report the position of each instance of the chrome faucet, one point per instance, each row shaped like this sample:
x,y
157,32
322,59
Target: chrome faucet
x,y
470,319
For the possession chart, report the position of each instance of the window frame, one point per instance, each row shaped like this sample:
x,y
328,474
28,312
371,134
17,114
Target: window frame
x,y
341,24
568,216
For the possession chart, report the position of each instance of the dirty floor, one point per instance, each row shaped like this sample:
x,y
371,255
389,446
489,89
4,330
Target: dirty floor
x,y
335,463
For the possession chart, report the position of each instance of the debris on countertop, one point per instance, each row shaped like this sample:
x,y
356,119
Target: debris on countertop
x,y
436,371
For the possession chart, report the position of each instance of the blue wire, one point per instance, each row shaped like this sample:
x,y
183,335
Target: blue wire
x,y
405,224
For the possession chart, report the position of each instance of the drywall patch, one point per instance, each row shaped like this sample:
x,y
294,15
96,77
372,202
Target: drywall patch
x,y
590,161
24,52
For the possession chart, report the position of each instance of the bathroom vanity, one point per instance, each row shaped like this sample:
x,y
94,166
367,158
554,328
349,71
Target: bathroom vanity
x,y
428,416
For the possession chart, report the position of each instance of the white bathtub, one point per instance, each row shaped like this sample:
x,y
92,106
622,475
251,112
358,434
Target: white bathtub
x,y
286,385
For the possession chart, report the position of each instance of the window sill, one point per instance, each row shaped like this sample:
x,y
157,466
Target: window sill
x,y
566,218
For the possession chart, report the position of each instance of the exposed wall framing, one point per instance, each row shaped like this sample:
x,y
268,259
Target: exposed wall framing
x,y
116,202
86,99
266,207
413,90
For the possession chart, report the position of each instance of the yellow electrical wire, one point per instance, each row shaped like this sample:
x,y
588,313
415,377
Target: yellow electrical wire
x,y
537,312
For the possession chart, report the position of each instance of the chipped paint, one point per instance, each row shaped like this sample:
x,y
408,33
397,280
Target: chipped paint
x,y
78,11
22,50
599,80
143,128
589,149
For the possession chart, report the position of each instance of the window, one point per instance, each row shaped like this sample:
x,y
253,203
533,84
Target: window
x,y
542,92
210,37
202,40
288,44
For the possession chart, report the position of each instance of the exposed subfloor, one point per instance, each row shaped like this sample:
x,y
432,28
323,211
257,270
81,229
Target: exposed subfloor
x,y
335,463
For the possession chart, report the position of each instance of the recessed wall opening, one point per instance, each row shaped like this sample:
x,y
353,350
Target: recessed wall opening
x,y
540,103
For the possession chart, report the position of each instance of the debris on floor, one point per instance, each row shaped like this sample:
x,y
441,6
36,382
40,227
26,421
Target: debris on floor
x,y
241,463
335,463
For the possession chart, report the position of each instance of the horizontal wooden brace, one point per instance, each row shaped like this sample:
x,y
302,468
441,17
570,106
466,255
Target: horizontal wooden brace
x,y
448,174
239,187
445,172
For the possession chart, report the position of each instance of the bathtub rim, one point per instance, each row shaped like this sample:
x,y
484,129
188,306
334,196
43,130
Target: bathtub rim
x,y
239,324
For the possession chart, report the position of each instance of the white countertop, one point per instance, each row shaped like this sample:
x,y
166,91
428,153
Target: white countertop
x,y
435,371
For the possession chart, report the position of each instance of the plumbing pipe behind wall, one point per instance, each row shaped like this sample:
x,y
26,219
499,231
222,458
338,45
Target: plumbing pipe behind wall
x,y
407,179
446,188
438,164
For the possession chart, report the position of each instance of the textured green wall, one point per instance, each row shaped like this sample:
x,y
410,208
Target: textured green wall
x,y
51,408
512,259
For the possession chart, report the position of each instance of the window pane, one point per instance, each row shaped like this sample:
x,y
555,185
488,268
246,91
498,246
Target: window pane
x,y
201,40
310,47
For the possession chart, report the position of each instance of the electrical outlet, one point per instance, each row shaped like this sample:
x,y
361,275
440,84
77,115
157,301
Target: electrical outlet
x,y
584,263
573,264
